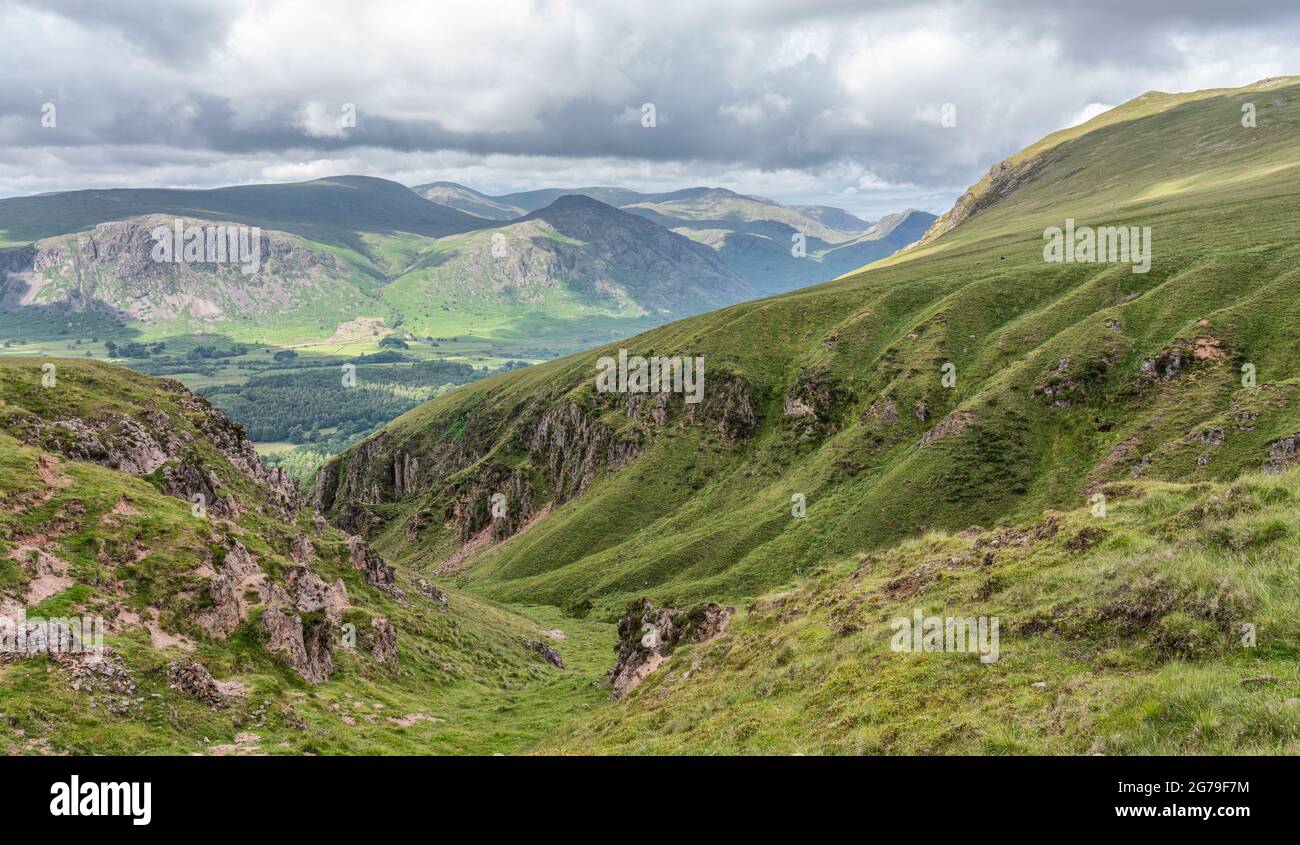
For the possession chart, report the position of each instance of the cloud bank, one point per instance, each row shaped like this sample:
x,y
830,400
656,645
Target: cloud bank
x,y
815,102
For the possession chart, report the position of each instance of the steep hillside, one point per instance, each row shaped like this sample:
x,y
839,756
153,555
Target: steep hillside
x,y
235,621
299,288
1068,377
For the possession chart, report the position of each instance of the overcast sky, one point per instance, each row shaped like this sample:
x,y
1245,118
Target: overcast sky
x,y
836,103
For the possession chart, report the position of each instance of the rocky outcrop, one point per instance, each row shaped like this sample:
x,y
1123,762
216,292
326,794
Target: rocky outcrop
x,y
365,473
1282,453
190,481
812,403
954,423
568,446
90,667
1002,180
116,441
310,594
1169,363
301,549
378,572
548,652
647,635
228,437
155,440
305,645
574,446
194,679
812,395
239,574
433,591
384,641
727,408
883,409
498,497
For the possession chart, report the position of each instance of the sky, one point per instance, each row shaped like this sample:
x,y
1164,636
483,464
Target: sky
x,y
869,106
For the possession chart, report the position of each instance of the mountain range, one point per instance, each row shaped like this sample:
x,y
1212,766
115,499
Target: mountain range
x,y
564,270
753,235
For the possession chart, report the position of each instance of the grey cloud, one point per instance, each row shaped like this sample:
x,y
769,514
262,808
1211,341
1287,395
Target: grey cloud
x,y
734,89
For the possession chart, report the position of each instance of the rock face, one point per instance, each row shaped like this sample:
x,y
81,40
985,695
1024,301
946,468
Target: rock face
x,y
114,269
239,573
548,653
155,440
305,645
574,447
310,594
190,481
647,635
384,647
376,570
301,550
116,441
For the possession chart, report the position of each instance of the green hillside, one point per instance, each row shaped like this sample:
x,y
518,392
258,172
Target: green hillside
x,y
95,520
1068,376
1111,475
1117,635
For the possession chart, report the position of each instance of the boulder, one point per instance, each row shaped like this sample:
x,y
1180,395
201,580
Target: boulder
x,y
433,591
194,679
548,653
647,635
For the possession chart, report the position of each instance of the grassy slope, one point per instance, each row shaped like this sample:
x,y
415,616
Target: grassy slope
x,y
697,519
466,668
1131,646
